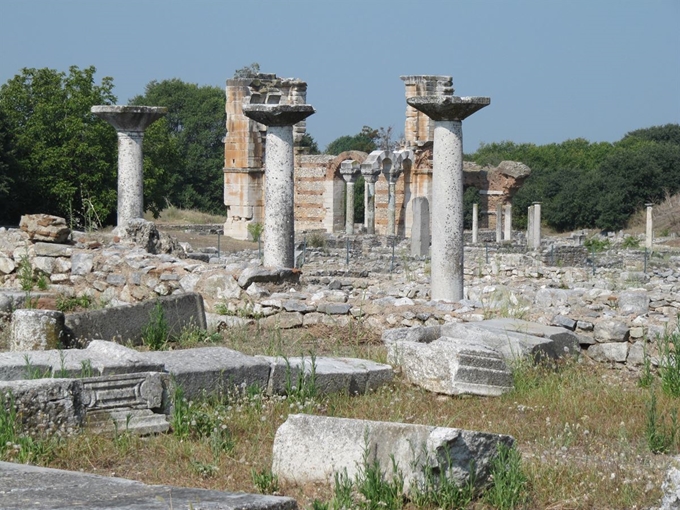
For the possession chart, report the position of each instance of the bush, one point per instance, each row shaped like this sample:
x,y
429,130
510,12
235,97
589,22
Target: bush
x,y
155,333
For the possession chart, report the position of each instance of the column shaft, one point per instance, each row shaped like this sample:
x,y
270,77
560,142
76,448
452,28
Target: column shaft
x,y
130,176
508,222
279,220
370,207
349,209
447,211
649,237
391,208
530,226
537,226
499,222
475,223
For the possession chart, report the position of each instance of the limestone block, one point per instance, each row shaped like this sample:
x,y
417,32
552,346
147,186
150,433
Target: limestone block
x,y
218,285
563,321
551,297
611,331
636,354
309,449
417,334
331,375
610,351
7,265
36,330
82,263
44,227
295,305
208,370
634,302
52,250
452,366
333,308
671,486
282,320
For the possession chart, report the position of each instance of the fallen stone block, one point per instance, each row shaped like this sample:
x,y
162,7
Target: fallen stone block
x,y
267,275
56,489
611,331
418,334
282,320
126,323
609,351
44,227
311,449
516,339
452,366
208,370
36,330
325,375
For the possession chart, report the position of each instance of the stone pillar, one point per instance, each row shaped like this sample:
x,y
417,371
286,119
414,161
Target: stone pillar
x,y
279,196
130,123
371,168
349,169
420,230
536,235
649,238
508,223
475,223
499,222
36,330
530,226
392,172
448,113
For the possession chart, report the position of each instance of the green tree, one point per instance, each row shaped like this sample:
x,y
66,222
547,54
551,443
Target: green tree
x,y
65,156
247,71
184,153
366,141
309,144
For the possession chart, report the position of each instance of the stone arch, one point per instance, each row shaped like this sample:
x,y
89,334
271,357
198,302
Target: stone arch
x,y
334,198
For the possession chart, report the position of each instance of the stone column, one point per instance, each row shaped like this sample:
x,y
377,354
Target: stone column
x,y
536,235
420,231
448,113
649,238
371,168
392,172
349,169
130,123
530,226
279,195
499,222
508,223
475,223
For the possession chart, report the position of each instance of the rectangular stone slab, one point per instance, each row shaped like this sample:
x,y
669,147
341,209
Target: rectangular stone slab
x,y
310,449
56,489
208,370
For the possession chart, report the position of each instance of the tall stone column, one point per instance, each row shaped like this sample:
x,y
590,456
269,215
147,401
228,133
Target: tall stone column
x,y
448,113
130,123
536,235
475,223
530,226
350,170
499,222
507,235
392,173
279,196
649,237
376,163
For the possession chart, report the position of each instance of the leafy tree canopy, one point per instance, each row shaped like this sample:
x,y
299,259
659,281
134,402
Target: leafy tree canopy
x,y
184,152
61,159
366,141
247,71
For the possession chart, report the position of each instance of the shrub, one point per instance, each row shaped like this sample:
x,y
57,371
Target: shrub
x,y
630,242
155,333
255,230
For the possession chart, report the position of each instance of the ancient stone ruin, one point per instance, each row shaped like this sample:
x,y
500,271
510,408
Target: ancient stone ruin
x,y
395,181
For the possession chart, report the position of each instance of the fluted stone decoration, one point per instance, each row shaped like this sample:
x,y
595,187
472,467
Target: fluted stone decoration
x,y
448,113
279,196
130,123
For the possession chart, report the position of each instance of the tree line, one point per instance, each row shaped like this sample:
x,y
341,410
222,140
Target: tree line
x,y
58,158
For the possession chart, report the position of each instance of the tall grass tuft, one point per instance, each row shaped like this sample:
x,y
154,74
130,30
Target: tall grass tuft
x,y
155,333
669,363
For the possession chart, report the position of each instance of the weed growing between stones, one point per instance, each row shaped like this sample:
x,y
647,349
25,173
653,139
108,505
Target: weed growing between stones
x,y
509,484
255,230
16,446
33,372
316,240
67,304
264,481
304,388
630,242
192,335
25,274
660,436
155,333
669,363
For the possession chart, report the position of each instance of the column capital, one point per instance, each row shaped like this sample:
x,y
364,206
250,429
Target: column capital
x,y
350,170
448,107
278,115
129,118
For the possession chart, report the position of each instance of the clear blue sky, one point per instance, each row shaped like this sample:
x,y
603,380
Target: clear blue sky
x,y
554,69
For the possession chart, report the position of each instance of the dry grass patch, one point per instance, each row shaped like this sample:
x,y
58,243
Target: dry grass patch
x,y
580,429
179,216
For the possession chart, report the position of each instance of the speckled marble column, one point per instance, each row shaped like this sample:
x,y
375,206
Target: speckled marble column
x,y
530,226
369,214
499,222
350,171
507,234
475,223
448,113
649,233
536,235
279,194
130,123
